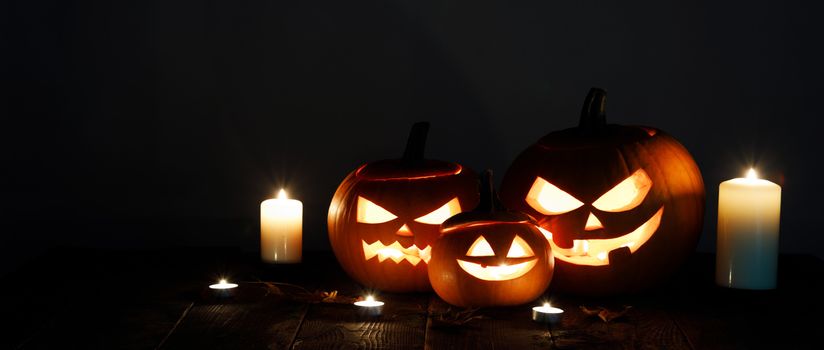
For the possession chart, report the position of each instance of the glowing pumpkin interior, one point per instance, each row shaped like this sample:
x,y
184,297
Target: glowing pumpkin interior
x,y
548,199
370,213
519,260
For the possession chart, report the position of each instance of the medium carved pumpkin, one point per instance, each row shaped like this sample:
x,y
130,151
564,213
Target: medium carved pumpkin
x,y
622,206
385,215
490,256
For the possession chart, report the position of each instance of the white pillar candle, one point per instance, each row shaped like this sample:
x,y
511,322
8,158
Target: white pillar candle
x,y
281,229
748,216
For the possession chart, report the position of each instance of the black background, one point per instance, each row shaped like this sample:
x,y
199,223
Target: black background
x,y
150,124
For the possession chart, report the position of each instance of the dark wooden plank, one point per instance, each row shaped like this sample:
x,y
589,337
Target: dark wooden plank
x,y
646,325
250,320
96,299
500,328
84,298
112,326
715,318
334,326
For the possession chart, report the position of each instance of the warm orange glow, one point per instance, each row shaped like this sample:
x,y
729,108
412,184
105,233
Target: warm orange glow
x,y
405,231
371,213
497,273
438,216
519,249
396,252
480,248
282,194
547,234
595,252
593,223
626,195
548,199
455,170
751,174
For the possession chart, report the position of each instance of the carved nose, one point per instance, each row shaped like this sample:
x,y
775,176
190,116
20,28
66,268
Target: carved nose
x,y
404,231
592,223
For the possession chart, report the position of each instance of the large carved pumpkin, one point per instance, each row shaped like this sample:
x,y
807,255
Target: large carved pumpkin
x,y
385,215
490,256
621,205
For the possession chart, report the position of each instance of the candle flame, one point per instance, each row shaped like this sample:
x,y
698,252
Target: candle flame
x,y
546,305
751,174
370,298
282,194
222,281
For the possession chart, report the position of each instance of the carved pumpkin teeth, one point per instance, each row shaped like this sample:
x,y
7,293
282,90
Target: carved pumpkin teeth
x,y
396,252
597,252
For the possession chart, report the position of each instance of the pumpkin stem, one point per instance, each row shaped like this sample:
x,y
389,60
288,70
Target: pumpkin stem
x,y
594,114
489,197
416,143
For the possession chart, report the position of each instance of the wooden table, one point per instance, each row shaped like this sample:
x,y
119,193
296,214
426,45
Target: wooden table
x,y
80,298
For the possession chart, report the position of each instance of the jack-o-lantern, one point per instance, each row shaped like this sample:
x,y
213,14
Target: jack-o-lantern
x,y
385,215
622,206
490,256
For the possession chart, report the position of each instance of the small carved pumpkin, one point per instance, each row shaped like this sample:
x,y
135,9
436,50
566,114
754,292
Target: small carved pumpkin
x,y
490,257
385,215
622,206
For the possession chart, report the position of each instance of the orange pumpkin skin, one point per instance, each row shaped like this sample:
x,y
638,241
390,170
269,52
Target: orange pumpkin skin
x,y
586,162
457,286
408,190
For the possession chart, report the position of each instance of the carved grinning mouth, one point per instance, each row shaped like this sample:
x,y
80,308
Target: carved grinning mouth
x,y
595,252
499,272
396,252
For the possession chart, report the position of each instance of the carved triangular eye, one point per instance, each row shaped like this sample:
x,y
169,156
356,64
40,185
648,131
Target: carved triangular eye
x,y
480,248
548,199
438,216
626,195
371,213
519,249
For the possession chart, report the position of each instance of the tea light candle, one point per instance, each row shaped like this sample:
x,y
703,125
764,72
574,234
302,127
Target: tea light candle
x,y
223,288
281,229
547,314
748,218
370,306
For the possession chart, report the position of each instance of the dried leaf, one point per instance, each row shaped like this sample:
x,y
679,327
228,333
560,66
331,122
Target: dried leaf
x,y
326,297
607,315
590,311
334,298
452,318
298,293
272,289
603,313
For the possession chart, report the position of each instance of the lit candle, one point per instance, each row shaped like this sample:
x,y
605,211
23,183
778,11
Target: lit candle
x,y
747,251
370,306
281,229
223,288
547,314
